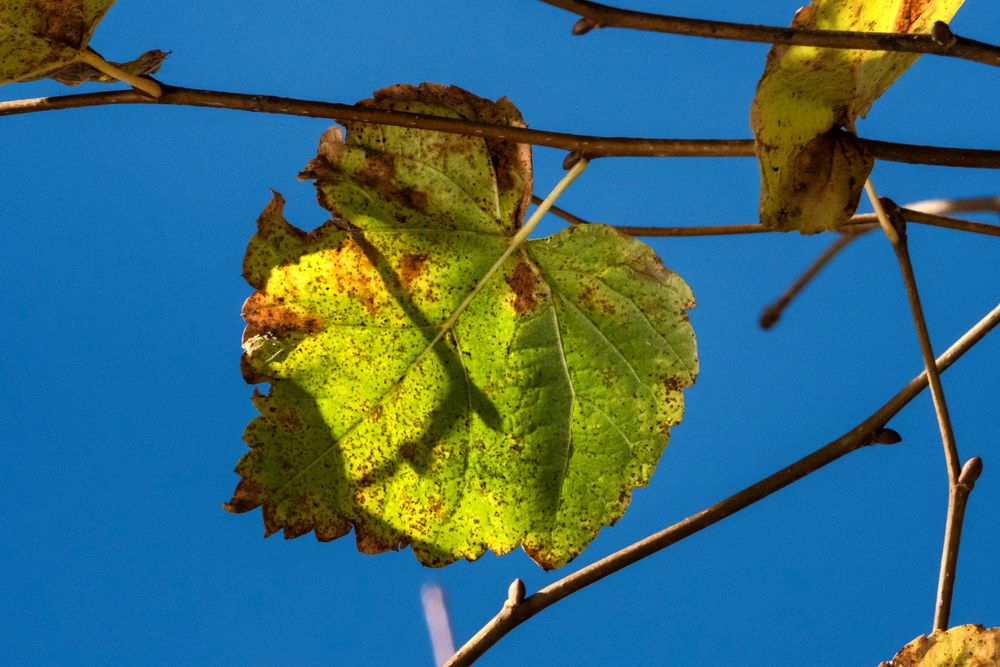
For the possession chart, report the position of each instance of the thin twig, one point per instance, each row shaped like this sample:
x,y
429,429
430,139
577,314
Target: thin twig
x,y
935,220
772,313
587,145
605,16
926,212
894,226
957,500
865,433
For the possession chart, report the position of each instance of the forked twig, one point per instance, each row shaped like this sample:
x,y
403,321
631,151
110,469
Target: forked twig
x,y
894,226
958,497
941,42
866,433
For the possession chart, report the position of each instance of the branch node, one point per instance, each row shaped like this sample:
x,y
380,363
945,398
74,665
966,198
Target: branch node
x,y
515,594
571,159
770,315
895,215
584,25
886,436
971,471
941,34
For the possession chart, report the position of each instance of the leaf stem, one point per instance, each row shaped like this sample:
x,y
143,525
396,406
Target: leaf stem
x,y
861,435
958,498
148,86
605,16
589,145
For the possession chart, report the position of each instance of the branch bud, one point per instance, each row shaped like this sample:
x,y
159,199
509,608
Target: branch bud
x,y
584,25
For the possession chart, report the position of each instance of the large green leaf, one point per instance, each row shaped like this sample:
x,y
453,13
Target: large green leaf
x,y
529,423
961,646
44,38
812,168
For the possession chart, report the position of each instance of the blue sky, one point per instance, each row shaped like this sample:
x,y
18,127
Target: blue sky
x,y
123,405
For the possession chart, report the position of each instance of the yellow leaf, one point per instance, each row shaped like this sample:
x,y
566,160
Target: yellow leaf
x,y
812,166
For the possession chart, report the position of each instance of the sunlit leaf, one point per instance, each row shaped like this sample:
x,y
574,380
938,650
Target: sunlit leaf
x,y
812,166
528,424
961,646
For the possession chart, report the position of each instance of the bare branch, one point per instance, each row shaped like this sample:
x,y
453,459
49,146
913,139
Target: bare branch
x,y
866,433
894,226
939,43
772,313
924,212
587,145
957,501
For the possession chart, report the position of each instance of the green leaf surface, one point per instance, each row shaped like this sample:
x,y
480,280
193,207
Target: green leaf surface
x,y
44,38
529,423
961,646
812,166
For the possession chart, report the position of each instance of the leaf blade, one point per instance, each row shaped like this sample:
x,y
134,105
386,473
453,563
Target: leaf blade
x,y
472,446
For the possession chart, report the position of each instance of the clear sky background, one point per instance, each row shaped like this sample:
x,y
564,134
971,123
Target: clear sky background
x,y
123,406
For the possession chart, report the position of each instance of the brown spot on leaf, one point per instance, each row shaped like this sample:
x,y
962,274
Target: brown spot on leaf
x,y
590,298
525,285
411,268
910,12
62,21
264,316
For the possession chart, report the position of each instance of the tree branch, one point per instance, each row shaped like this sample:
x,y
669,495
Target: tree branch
x,y
925,212
865,433
944,43
587,145
958,498
894,226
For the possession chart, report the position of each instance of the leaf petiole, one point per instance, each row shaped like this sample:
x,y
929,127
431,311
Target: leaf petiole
x,y
143,84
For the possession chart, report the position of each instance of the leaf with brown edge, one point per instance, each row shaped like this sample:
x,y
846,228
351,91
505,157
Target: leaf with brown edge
x,y
812,166
527,424
961,646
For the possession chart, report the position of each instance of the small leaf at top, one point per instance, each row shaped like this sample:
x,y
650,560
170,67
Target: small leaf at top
x,y
529,423
812,166
44,38
961,646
